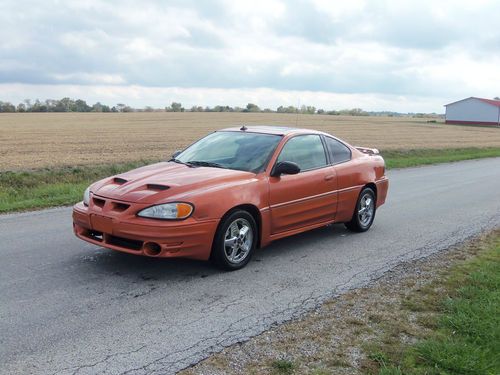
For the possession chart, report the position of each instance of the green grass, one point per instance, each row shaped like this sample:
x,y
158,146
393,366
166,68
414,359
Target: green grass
x,y
467,335
52,187
282,366
412,158
37,189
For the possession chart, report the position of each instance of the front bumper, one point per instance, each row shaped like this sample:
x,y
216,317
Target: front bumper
x,y
141,236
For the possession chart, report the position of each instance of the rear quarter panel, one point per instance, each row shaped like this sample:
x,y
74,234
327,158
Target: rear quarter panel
x,y
352,176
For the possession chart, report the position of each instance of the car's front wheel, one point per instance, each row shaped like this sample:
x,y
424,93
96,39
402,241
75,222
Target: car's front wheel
x,y
235,241
364,213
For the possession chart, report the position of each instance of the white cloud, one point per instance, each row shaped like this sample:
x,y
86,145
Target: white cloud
x,y
423,50
90,78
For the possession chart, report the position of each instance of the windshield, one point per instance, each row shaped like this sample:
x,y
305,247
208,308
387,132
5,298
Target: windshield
x,y
233,150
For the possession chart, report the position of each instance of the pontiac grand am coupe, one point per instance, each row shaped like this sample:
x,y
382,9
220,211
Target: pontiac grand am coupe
x,y
232,191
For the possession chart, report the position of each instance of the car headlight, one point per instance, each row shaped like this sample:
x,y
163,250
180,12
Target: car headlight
x,y
86,196
168,211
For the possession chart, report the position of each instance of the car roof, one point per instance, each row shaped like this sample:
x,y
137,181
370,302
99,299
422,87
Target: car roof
x,y
269,129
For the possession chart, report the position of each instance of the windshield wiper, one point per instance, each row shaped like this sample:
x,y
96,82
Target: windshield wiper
x,y
180,162
205,164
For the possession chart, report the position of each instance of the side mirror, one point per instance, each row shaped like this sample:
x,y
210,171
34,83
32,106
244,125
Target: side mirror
x,y
176,153
285,167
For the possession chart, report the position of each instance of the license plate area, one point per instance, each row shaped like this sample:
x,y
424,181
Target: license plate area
x,y
101,224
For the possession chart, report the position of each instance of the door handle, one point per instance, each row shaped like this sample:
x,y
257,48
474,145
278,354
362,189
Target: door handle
x,y
328,177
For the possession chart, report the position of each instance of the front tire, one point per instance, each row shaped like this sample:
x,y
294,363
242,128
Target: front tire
x,y
234,241
364,213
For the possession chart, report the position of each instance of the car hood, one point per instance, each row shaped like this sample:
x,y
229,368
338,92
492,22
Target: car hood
x,y
163,181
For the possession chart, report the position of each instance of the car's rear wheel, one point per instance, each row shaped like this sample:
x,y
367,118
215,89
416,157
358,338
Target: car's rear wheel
x,y
235,241
364,213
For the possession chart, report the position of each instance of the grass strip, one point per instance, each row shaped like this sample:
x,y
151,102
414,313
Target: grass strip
x,y
28,190
43,188
466,336
413,158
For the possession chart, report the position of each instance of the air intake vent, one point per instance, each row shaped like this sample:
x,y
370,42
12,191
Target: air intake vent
x,y
157,187
119,180
120,207
99,202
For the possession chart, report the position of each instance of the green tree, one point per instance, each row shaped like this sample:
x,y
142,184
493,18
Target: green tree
x,y
289,109
175,107
7,107
308,109
252,108
333,112
120,107
222,108
38,106
97,107
51,105
81,106
63,105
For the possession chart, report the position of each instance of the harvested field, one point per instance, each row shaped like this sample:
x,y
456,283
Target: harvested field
x,y
39,140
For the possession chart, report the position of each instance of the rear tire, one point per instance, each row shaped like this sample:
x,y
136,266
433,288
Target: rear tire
x,y
235,241
364,212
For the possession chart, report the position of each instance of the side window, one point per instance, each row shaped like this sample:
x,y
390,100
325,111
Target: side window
x,y
305,150
338,150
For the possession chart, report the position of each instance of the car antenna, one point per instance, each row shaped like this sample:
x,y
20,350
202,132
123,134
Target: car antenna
x,y
243,128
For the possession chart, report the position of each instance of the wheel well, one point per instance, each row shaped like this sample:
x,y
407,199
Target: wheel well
x,y
372,186
252,210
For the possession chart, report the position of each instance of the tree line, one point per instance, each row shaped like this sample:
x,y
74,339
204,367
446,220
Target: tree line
x,y
304,109
62,105
79,105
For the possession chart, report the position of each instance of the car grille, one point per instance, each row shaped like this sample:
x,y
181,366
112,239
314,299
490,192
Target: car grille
x,y
113,240
124,242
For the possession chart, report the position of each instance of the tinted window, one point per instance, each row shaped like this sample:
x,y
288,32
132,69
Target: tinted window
x,y
233,150
338,150
305,150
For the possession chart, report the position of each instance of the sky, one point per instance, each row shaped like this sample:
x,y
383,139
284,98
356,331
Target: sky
x,y
396,55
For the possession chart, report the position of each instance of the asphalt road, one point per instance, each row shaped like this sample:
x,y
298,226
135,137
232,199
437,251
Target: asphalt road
x,y
67,307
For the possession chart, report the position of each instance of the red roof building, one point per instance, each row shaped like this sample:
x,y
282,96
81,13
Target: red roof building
x,y
474,111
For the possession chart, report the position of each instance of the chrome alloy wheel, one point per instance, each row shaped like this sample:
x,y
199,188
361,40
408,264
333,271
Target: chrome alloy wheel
x,y
366,209
238,240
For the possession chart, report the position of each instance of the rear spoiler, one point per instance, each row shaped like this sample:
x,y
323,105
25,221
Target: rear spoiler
x,y
369,151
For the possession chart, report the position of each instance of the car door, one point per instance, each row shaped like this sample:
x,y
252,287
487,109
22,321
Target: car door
x,y
308,197
347,176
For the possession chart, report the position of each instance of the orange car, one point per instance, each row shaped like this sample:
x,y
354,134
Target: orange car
x,y
232,191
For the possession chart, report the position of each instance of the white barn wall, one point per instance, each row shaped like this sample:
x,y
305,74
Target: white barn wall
x,y
473,110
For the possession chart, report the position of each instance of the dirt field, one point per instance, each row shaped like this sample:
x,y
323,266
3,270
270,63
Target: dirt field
x,y
38,140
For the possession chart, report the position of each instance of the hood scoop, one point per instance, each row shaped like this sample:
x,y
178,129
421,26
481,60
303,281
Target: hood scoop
x,y
119,180
157,187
